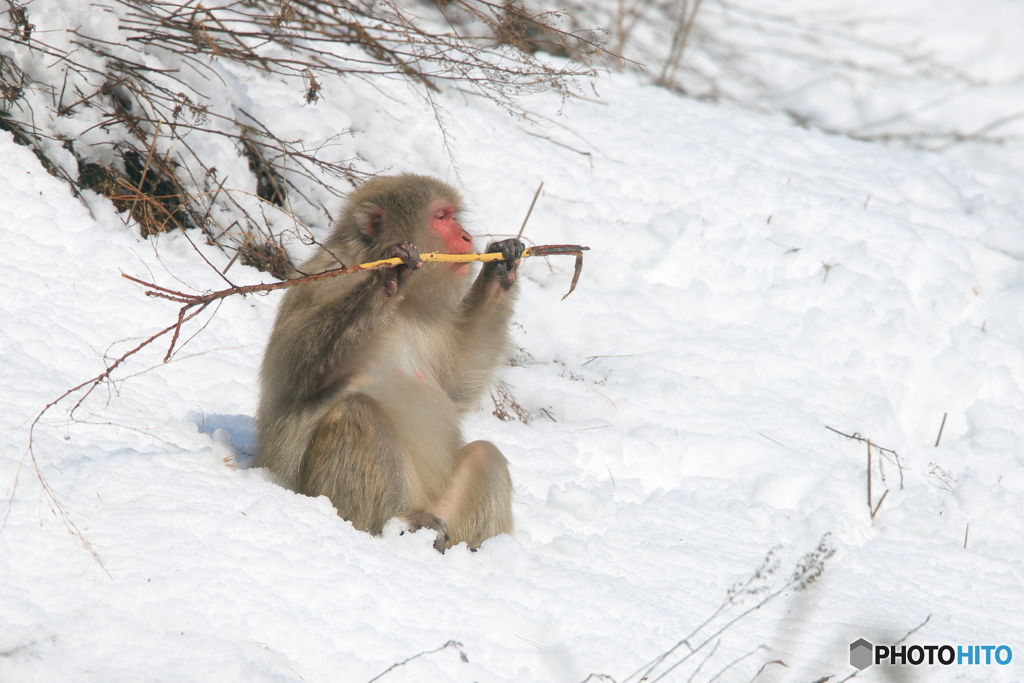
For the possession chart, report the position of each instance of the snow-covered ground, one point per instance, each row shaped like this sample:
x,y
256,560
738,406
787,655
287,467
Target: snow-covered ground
x,y
750,284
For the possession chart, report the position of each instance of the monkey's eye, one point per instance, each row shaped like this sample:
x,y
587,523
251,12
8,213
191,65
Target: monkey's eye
x,y
441,215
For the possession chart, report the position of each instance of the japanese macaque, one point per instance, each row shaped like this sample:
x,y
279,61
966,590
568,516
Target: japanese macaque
x,y
367,375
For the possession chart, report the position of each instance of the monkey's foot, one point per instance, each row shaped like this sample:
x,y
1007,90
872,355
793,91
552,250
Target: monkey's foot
x,y
418,519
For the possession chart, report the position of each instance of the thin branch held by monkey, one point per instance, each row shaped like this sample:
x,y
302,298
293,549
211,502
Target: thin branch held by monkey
x,y
366,378
191,300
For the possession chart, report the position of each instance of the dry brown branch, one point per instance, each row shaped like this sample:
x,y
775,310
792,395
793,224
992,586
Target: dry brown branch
x,y
889,453
680,36
530,210
880,501
941,427
869,475
777,662
190,300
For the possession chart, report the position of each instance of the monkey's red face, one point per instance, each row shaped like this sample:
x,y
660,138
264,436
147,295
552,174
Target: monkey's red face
x,y
456,240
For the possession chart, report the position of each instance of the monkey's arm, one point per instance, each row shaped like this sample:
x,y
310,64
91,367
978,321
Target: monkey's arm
x,y
322,332
482,330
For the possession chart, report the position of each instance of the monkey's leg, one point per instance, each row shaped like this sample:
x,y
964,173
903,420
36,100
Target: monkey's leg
x,y
353,459
477,503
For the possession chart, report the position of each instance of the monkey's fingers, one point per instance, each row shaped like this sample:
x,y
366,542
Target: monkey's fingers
x,y
511,249
407,253
408,257
505,269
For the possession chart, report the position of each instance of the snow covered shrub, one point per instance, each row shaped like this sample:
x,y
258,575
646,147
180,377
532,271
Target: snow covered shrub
x,y
149,102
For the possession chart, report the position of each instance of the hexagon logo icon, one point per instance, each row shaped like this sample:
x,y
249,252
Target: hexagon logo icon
x,y
860,654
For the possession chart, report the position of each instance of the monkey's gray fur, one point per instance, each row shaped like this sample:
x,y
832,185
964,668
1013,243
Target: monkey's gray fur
x,y
366,376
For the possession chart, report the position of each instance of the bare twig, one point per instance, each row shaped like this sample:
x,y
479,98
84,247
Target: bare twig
x,y
869,476
620,355
941,427
530,210
577,269
914,630
764,666
880,501
190,300
888,452
451,643
680,36
704,661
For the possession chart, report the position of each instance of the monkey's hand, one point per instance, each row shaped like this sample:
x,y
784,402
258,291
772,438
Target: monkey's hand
x,y
418,519
506,270
395,277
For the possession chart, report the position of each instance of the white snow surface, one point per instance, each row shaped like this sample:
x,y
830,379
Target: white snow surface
x,y
749,284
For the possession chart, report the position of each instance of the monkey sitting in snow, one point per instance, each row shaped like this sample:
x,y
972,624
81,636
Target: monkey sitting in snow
x,y
367,375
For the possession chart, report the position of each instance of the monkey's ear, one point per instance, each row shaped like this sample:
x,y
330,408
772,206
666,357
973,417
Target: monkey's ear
x,y
371,220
